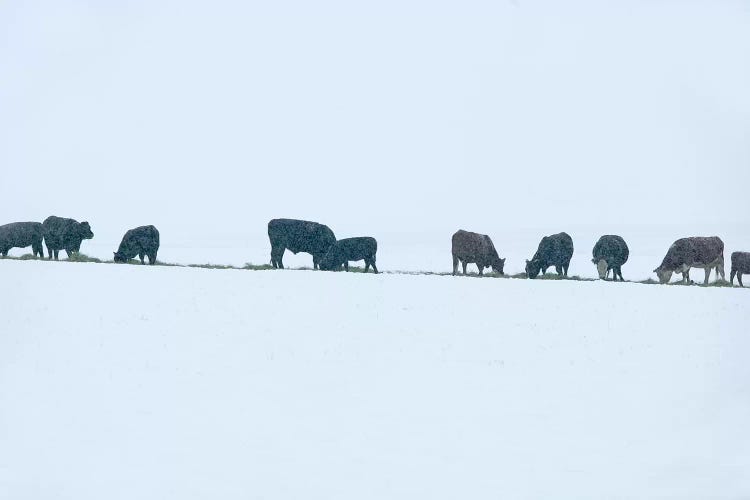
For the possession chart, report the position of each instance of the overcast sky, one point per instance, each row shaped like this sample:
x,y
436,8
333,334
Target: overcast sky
x,y
212,117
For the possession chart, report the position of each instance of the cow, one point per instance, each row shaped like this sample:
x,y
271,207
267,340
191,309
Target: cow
x,y
610,253
141,241
554,250
21,235
740,266
299,236
350,249
697,251
64,234
475,248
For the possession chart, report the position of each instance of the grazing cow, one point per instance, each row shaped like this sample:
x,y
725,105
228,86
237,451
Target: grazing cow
x,y
350,249
740,266
299,236
64,234
554,250
610,253
21,235
141,241
704,252
475,248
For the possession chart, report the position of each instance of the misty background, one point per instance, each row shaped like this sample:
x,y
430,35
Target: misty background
x,y
401,120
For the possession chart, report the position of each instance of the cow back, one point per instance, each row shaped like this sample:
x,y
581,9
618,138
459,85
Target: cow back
x,y
300,235
693,251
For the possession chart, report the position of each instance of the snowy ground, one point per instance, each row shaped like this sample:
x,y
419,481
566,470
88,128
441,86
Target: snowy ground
x,y
129,382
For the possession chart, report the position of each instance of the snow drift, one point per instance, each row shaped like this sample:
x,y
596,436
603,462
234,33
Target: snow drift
x,y
123,382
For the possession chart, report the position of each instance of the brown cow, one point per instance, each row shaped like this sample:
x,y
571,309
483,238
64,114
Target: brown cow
x,y
697,251
474,248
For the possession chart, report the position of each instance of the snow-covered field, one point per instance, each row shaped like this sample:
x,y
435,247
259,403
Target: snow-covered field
x,y
130,382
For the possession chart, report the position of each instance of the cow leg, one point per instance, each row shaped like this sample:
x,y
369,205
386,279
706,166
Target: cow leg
x,y
731,276
619,271
57,254
152,259
739,279
464,264
374,267
455,265
346,266
481,269
708,274
559,270
686,276
49,252
720,271
276,256
143,260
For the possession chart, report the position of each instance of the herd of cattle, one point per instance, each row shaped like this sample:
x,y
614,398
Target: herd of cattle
x,y
330,254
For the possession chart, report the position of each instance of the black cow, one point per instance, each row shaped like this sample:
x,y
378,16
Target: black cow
x,y
610,253
350,249
697,251
141,241
554,250
740,266
21,235
475,248
64,234
299,236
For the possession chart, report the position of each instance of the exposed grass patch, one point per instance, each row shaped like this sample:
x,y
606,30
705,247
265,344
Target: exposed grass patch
x,y
82,257
555,276
419,273
257,267
211,266
718,284
26,256
650,281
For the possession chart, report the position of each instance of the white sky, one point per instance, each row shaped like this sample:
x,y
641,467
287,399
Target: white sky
x,y
209,118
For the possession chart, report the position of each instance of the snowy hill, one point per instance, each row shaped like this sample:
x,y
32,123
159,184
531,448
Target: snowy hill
x,y
125,382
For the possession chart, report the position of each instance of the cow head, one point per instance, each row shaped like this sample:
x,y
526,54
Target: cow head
x,y
601,268
532,268
498,266
328,261
664,274
119,257
84,230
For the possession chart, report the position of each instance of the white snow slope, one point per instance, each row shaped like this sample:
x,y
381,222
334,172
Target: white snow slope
x,y
129,382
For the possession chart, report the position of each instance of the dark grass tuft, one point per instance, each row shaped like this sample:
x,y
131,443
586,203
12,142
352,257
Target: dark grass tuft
x,y
211,266
82,257
257,267
718,284
555,276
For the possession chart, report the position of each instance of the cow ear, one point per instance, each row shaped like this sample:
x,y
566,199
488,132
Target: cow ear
x,y
527,261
